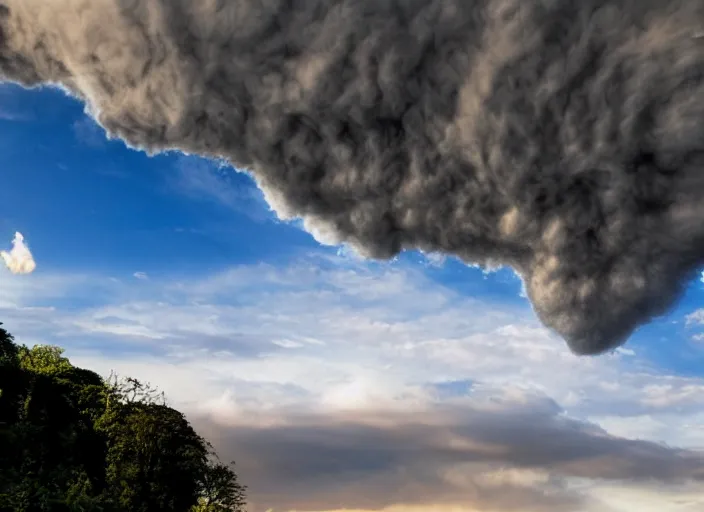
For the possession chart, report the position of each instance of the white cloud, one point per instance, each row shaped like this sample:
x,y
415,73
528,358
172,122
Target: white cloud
x,y
342,330
687,430
19,259
435,259
695,318
118,329
626,498
333,335
141,275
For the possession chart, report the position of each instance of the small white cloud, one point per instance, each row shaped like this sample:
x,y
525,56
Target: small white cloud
x,y
141,275
696,317
434,259
286,343
118,329
625,351
19,259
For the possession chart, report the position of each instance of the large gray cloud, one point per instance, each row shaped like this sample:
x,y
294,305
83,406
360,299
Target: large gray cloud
x,y
562,137
371,460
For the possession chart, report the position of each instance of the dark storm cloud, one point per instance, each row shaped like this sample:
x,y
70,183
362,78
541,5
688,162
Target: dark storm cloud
x,y
562,137
373,460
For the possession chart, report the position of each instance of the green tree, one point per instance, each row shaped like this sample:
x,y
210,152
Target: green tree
x,y
71,441
56,449
11,379
220,489
44,359
12,391
9,351
155,458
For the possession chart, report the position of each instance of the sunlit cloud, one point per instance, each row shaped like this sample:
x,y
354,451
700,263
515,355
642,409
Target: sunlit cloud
x,y
19,259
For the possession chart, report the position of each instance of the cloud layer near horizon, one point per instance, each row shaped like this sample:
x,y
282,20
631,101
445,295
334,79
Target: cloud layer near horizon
x,y
496,450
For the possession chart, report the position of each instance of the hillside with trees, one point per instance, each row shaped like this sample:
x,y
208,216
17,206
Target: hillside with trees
x,y
72,441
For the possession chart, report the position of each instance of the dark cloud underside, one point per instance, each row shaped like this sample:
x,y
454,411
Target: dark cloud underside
x,y
374,460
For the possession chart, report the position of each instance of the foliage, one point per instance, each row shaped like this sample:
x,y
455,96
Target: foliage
x,y
43,359
220,489
71,441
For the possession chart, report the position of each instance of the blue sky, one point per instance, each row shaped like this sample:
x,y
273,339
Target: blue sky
x,y
172,269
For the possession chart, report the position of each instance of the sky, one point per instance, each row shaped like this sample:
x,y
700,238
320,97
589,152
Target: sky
x,y
335,383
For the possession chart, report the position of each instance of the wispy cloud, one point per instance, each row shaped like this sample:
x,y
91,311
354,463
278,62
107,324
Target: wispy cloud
x,y
206,180
7,115
89,133
8,104
694,321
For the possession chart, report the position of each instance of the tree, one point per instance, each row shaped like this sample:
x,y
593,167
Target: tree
x,y
71,441
11,378
131,390
155,458
220,489
11,395
11,381
44,359
9,351
57,451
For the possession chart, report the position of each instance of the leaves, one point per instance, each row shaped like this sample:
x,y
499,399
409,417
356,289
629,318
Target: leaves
x,y
43,359
221,491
